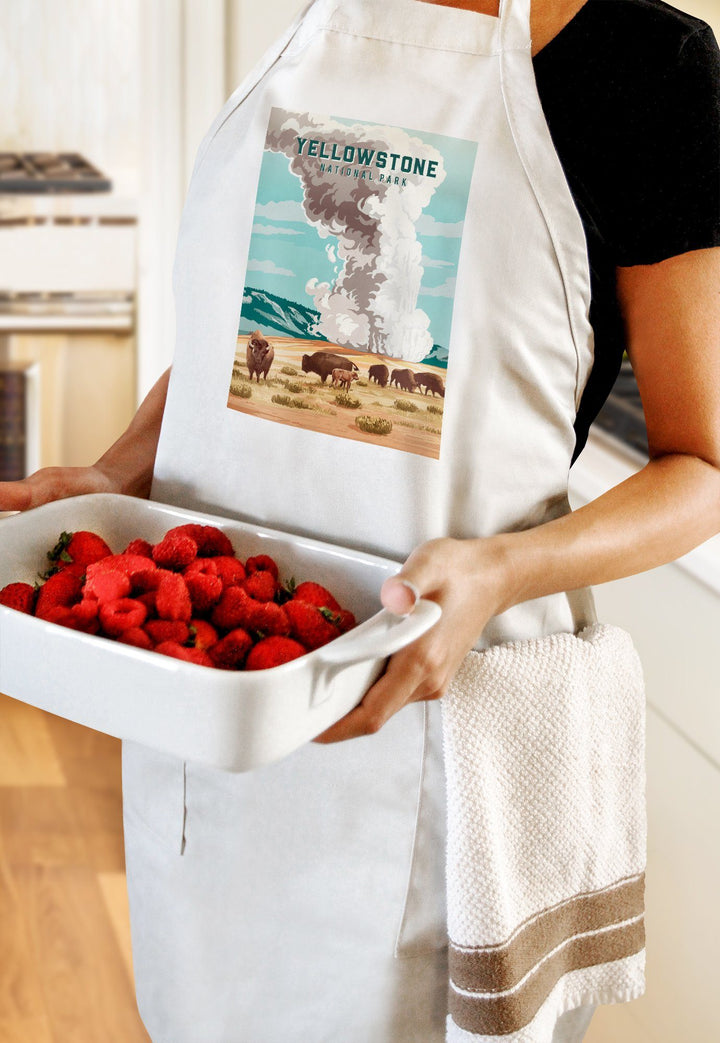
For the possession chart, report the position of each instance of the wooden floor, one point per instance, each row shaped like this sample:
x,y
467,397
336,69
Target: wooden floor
x,y
65,959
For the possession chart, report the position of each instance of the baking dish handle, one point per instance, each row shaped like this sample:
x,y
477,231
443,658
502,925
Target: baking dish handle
x,y
387,634
394,633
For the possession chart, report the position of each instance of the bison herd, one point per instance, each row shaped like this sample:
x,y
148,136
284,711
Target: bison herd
x,y
341,370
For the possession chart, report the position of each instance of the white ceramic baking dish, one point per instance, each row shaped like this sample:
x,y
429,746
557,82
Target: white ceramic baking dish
x,y
233,720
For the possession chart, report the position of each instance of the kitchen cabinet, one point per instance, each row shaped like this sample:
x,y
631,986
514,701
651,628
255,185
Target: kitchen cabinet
x,y
86,391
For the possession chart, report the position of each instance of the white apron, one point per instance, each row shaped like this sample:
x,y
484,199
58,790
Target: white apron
x,y
383,188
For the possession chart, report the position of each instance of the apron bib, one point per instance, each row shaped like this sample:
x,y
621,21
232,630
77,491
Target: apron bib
x,y
382,296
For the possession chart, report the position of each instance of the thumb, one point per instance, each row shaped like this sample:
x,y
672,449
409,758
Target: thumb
x,y
399,594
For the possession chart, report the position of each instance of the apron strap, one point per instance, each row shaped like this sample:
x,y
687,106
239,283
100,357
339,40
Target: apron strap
x,y
424,24
515,24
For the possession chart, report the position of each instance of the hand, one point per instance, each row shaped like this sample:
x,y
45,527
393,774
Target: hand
x,y
54,483
466,578
126,467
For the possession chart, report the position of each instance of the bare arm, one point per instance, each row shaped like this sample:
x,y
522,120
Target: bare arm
x,y
672,316
126,467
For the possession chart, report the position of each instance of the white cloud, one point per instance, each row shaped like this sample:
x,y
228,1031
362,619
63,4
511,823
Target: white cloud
x,y
427,225
446,289
433,262
268,268
283,210
273,230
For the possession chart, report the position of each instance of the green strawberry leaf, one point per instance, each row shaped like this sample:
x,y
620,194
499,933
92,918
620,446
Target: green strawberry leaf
x,y
59,551
286,592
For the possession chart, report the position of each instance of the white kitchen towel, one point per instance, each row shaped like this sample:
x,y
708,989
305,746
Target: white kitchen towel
x,y
547,833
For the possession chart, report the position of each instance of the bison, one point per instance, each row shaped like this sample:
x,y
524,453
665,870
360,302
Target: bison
x,y
379,374
403,378
431,382
259,355
344,376
324,362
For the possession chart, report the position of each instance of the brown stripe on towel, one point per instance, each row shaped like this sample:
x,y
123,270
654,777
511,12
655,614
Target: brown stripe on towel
x,y
493,968
496,1015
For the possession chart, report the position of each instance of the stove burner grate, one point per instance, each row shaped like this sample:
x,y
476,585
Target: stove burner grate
x,y
32,172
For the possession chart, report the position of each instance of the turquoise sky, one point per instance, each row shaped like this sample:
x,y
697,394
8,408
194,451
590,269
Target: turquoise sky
x,y
285,251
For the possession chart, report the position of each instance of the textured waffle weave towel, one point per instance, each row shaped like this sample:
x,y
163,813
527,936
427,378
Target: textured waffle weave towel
x,y
545,762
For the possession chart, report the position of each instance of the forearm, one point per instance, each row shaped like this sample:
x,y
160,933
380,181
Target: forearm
x,y
666,509
128,463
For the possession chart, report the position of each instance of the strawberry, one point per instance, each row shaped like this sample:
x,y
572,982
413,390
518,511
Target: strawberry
x,y
159,630
201,567
149,601
202,635
62,590
269,619
204,584
210,541
78,548
261,563
230,570
308,624
233,609
261,585
107,586
175,551
137,637
130,564
20,596
273,651
230,653
173,598
314,594
190,655
73,619
237,609
87,609
141,547
346,620
122,614
148,579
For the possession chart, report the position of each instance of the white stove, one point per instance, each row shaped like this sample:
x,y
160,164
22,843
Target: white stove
x,y
68,276
67,260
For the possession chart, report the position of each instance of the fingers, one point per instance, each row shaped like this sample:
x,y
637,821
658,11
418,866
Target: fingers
x,y
399,595
51,483
424,574
406,680
15,496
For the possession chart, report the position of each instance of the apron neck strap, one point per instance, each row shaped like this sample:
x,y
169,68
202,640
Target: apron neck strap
x,y
515,24
426,24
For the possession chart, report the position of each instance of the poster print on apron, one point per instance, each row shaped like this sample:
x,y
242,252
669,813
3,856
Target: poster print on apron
x,y
350,281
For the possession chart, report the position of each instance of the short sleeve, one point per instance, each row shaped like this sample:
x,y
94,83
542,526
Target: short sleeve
x,y
670,198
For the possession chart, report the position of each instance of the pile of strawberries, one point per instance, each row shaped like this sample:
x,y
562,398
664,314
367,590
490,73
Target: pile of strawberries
x,y
187,596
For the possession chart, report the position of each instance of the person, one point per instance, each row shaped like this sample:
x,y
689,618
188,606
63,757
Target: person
x,y
289,914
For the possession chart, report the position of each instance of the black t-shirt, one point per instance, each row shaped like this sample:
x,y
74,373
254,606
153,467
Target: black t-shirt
x,y
631,94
